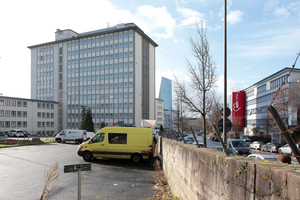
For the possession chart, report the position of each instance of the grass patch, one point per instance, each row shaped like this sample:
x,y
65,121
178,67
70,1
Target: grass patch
x,y
26,142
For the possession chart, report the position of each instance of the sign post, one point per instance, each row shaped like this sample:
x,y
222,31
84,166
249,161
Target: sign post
x,y
77,168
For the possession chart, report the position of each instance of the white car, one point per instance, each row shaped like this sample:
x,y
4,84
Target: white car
x,y
256,145
263,157
286,149
16,133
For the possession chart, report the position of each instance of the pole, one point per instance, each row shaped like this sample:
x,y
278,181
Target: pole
x,y
79,185
225,70
288,138
70,111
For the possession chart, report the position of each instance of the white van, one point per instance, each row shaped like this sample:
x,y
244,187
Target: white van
x,y
89,135
77,136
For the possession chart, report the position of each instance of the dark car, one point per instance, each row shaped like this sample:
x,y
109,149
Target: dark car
x,y
271,146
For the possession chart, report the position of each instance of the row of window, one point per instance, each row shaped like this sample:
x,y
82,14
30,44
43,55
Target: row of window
x,y
102,48
45,49
104,96
98,67
13,103
262,88
102,58
46,65
45,105
45,115
45,57
103,38
13,124
257,110
45,124
13,113
101,77
277,82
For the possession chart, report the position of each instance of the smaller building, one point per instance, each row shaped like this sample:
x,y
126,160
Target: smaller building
x,y
34,116
159,114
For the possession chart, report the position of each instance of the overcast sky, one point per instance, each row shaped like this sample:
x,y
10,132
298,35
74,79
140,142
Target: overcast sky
x,y
263,35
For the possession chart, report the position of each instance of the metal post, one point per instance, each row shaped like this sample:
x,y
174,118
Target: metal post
x,y
225,69
79,184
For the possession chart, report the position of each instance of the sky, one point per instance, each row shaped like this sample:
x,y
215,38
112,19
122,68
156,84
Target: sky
x,y
262,35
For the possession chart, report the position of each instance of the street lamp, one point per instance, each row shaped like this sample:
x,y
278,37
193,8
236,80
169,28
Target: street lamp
x,y
70,105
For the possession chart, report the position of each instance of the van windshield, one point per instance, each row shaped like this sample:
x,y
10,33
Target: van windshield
x,y
239,144
98,138
63,133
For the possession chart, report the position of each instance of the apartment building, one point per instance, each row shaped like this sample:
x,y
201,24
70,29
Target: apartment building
x,y
110,70
34,116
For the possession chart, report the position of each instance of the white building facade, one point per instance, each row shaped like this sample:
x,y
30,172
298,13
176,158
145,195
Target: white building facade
x,y
34,116
259,96
111,71
159,114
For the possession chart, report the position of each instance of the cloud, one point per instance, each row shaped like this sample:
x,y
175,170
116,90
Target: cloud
x,y
190,17
157,22
281,12
270,5
234,17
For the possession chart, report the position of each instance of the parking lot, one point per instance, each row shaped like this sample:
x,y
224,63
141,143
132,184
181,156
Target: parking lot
x,y
23,168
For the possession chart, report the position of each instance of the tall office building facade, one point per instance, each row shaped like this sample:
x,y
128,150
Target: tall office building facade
x,y
165,93
111,71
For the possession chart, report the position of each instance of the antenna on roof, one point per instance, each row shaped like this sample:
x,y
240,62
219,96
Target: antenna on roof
x,y
107,24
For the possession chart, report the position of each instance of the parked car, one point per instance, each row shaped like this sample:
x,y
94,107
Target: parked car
x,y
239,146
230,151
26,134
286,149
16,133
189,138
244,137
256,145
271,146
263,156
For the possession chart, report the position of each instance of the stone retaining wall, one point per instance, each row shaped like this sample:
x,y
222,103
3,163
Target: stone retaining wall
x,y
201,173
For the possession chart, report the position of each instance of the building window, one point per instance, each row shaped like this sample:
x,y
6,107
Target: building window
x,y
19,113
38,105
13,113
7,102
7,124
7,113
24,124
261,89
39,115
24,104
24,113
1,113
38,124
19,124
13,103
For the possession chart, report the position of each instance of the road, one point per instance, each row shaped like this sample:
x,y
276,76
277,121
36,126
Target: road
x,y
22,172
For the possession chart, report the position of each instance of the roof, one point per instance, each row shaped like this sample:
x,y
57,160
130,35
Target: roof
x,y
128,26
287,69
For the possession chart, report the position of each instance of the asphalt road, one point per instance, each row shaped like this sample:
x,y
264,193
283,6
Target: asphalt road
x,y
22,172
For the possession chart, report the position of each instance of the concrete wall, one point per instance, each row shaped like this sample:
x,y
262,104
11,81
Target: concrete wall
x,y
201,173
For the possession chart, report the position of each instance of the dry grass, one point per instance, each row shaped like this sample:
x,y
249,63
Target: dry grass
x,y
51,178
162,189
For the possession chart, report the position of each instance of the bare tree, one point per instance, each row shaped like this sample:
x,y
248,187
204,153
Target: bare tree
x,y
202,78
180,115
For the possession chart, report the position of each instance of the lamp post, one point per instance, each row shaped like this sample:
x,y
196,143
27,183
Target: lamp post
x,y
70,105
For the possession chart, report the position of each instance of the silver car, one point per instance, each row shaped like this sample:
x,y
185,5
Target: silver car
x,y
256,145
263,156
286,149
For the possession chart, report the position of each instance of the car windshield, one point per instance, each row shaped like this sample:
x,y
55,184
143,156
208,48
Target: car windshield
x,y
239,144
272,159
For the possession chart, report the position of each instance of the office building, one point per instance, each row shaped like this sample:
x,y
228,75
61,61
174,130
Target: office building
x,y
260,95
165,93
110,70
34,116
159,114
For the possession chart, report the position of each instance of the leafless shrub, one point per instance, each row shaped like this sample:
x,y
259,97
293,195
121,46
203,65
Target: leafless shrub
x,y
50,177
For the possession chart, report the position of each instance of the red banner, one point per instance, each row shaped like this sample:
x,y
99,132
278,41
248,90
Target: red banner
x,y
238,110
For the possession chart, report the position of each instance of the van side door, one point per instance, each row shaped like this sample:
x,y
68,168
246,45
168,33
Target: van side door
x,y
117,145
98,145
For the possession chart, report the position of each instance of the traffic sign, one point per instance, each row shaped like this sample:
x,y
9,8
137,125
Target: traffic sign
x,y
227,112
76,168
228,125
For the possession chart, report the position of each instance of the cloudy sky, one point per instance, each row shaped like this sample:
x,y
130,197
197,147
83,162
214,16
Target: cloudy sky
x,y
263,35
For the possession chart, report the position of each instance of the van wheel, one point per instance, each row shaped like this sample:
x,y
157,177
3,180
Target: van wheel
x,y
58,140
136,158
87,156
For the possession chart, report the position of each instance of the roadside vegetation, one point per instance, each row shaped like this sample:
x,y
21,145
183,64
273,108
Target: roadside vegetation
x,y
15,143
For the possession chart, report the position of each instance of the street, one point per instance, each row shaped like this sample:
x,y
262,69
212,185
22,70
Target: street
x,y
22,175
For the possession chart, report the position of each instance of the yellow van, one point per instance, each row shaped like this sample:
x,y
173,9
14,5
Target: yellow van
x,y
118,142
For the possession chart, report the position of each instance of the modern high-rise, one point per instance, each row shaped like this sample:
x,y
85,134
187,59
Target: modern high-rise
x,y
110,70
165,93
